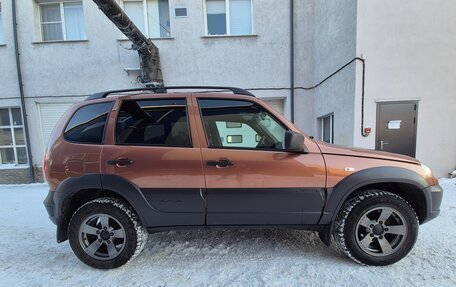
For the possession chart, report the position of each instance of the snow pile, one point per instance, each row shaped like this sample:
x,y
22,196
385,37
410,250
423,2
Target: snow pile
x,y
29,254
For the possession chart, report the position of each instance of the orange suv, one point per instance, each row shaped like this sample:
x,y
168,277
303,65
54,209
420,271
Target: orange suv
x,y
147,160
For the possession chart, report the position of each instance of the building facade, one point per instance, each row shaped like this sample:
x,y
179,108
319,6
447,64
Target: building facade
x,y
69,49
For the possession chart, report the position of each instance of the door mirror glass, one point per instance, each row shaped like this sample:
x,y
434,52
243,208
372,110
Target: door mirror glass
x,y
294,142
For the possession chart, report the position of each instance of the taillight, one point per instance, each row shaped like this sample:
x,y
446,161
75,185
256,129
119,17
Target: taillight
x,y
44,163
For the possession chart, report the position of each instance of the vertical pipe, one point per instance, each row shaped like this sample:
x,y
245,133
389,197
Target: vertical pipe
x,y
292,84
21,92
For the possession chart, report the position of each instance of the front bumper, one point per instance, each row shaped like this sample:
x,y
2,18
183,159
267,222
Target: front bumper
x,y
434,196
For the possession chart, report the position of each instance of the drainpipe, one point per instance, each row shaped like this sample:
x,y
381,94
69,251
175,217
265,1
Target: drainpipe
x,y
21,92
292,84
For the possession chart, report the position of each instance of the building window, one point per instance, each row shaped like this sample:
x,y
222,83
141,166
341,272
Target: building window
x,y
327,128
229,17
62,21
180,12
1,25
150,16
12,140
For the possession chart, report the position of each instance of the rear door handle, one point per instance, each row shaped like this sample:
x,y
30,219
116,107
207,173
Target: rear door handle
x,y
220,163
120,162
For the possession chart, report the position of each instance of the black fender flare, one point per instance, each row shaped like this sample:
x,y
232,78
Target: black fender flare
x,y
113,183
342,190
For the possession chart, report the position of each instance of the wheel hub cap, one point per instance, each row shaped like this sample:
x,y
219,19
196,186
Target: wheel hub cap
x,y
378,229
105,235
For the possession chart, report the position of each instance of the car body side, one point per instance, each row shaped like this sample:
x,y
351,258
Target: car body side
x,y
183,192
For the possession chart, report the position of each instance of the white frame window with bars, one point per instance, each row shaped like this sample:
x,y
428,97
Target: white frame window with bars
x,y
65,25
12,137
327,122
228,17
152,17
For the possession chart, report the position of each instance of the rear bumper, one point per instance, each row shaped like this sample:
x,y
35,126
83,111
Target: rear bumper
x,y
50,207
434,195
53,202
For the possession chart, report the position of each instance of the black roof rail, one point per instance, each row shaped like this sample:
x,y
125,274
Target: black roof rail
x,y
164,90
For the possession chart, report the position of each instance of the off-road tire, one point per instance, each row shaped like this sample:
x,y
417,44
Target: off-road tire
x,y
350,215
135,235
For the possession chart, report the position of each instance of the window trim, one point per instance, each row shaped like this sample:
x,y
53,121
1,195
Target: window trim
x,y
146,19
13,138
104,129
228,21
331,127
61,22
155,145
239,148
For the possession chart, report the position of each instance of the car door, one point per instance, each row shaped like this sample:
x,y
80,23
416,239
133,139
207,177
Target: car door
x,y
151,144
250,179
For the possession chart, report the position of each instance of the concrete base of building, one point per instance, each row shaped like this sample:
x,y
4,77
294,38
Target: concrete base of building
x,y
20,175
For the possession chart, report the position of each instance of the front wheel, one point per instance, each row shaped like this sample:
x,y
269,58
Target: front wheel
x,y
376,228
106,233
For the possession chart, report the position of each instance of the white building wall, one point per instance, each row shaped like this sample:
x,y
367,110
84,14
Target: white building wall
x,y
410,50
304,64
68,71
334,46
409,47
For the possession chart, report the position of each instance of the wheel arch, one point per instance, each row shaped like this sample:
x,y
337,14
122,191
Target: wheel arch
x,y
403,182
76,191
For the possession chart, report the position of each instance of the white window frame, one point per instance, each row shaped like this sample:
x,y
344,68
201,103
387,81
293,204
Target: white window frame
x,y
331,127
228,21
62,19
12,126
146,17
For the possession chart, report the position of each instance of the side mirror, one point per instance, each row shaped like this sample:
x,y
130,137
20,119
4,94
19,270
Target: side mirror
x,y
294,142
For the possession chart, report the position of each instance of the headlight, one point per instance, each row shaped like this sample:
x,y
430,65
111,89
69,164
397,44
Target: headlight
x,y
428,175
427,170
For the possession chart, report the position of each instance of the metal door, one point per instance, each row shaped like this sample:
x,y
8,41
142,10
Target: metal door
x,y
396,127
142,146
251,185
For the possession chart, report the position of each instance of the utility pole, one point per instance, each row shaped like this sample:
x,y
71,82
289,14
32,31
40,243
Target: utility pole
x,y
149,58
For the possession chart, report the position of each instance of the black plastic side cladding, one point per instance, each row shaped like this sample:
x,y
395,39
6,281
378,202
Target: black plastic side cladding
x,y
159,206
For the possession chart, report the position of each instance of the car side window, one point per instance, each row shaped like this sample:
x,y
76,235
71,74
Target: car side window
x,y
240,124
161,122
88,123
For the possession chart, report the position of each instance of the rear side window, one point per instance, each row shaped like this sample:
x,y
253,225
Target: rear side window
x,y
88,124
153,122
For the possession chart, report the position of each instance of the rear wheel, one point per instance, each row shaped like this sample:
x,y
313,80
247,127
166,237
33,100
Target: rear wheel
x,y
376,228
106,233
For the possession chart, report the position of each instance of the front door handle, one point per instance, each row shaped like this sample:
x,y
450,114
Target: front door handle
x,y
120,162
220,163
382,143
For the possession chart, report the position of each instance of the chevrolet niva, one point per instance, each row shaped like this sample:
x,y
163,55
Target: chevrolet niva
x,y
146,160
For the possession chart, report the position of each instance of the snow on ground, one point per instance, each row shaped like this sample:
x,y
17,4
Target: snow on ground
x,y
29,254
